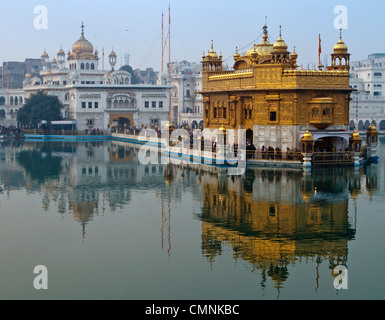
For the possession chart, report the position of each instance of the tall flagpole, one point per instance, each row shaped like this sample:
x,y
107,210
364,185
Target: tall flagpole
x,y
169,59
162,43
8,86
169,39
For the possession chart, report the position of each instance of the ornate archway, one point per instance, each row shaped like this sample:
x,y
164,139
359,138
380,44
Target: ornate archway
x,y
121,119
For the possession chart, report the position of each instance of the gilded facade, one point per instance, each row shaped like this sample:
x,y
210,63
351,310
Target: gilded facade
x,y
272,98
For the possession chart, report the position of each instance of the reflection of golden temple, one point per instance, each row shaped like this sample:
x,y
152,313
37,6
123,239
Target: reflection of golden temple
x,y
273,234
121,153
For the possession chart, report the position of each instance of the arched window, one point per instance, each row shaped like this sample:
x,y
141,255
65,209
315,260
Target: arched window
x,y
92,66
82,66
2,101
11,101
87,66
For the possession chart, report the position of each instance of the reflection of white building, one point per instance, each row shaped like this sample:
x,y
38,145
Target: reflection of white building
x,y
187,106
368,103
98,98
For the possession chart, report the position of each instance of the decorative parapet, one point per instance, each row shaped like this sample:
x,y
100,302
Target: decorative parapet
x,y
329,79
231,74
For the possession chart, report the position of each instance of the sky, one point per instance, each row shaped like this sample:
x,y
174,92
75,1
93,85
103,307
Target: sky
x,y
134,27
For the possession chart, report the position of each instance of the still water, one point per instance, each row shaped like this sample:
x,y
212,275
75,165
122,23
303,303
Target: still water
x,y
107,227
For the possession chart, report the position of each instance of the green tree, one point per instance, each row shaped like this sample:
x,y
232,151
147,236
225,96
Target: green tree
x,y
134,77
38,107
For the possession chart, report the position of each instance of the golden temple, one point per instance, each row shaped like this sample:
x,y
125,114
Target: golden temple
x,y
274,100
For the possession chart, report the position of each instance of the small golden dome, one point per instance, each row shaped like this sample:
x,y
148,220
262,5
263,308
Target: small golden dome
x,y
252,52
61,52
44,55
28,75
112,54
236,55
372,127
280,44
340,47
212,53
307,135
355,134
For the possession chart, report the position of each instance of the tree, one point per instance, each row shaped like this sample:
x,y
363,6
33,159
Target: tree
x,y
38,107
134,77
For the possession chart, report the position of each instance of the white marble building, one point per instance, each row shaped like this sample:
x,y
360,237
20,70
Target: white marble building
x,y
98,99
187,106
10,102
368,102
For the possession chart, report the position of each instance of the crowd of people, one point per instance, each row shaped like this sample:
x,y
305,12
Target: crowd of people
x,y
9,131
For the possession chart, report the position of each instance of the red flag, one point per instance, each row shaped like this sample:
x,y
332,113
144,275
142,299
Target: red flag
x,y
319,50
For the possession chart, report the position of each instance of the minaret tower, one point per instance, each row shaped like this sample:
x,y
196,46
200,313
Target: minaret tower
x,y
112,58
340,56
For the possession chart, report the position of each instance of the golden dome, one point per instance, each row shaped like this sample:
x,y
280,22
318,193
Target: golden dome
x,y
61,52
82,49
265,47
355,134
112,54
28,75
372,127
83,46
44,55
212,53
340,47
307,135
252,52
280,44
